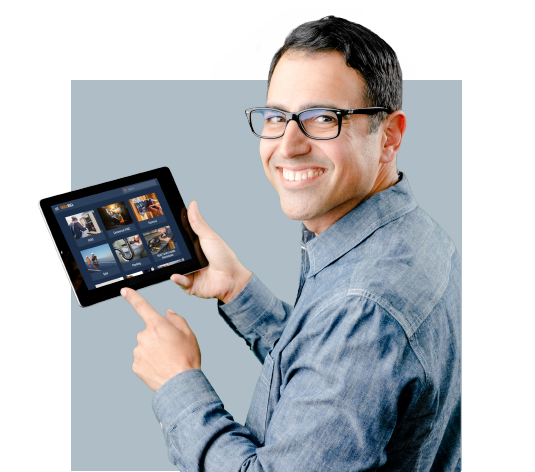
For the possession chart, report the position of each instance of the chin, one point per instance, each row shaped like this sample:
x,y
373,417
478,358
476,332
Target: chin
x,y
299,212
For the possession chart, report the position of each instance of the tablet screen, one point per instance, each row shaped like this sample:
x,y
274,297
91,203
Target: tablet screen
x,y
121,233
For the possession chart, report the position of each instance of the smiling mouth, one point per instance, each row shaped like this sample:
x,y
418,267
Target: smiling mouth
x,y
301,174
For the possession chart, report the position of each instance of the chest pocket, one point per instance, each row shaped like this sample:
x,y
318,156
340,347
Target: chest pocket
x,y
257,416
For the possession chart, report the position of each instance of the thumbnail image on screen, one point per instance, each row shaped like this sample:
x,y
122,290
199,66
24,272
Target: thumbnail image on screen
x,y
141,272
109,282
83,224
114,216
98,259
129,249
169,264
146,207
160,240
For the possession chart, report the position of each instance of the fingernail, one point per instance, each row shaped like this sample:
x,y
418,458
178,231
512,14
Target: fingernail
x,y
171,310
123,292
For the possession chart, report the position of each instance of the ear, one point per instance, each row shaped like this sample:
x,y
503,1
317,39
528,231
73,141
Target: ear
x,y
393,128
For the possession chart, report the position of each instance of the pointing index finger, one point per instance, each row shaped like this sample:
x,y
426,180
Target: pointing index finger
x,y
148,314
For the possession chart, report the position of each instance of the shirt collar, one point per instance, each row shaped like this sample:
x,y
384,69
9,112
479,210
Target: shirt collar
x,y
355,226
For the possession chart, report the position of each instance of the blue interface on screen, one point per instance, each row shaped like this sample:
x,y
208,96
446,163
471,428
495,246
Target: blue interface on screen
x,y
121,233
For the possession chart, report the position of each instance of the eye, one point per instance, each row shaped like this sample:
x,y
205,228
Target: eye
x,y
325,119
274,119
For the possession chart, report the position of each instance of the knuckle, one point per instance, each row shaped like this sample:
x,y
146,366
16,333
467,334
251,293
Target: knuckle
x,y
156,329
136,352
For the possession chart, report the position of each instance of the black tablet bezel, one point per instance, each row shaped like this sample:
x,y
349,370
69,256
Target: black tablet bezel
x,y
88,297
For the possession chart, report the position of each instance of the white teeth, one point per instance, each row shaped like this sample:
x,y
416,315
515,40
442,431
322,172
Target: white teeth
x,y
290,175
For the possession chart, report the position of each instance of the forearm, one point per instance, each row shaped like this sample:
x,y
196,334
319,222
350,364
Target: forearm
x,y
199,433
257,315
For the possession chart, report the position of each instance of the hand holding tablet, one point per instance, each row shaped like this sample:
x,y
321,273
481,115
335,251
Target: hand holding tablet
x,y
225,277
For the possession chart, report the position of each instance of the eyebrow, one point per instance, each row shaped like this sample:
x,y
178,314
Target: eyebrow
x,y
305,107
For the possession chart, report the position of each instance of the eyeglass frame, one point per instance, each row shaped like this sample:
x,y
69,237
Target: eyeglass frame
x,y
295,116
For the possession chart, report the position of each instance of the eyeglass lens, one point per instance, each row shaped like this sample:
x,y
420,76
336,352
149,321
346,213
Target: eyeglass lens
x,y
317,123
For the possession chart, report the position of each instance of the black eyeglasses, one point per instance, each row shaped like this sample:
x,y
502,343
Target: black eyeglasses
x,y
316,123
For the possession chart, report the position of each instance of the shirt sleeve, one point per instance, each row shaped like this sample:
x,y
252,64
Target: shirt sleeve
x,y
257,316
346,380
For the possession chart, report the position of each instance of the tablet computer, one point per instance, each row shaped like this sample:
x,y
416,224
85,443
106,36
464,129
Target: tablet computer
x,y
131,232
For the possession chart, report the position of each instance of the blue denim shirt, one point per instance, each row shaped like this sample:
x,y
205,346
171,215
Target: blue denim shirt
x,y
362,373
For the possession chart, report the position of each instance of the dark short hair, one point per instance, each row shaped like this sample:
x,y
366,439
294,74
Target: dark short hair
x,y
363,50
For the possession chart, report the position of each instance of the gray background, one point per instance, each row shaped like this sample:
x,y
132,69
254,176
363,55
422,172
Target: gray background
x,y
50,47
199,130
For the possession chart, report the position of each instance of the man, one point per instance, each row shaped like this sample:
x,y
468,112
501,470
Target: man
x,y
77,229
167,232
94,261
363,372
118,216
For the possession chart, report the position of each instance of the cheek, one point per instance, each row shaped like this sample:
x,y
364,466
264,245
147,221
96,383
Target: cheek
x,y
343,155
266,148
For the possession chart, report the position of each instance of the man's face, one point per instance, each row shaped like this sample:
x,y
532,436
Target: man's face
x,y
348,164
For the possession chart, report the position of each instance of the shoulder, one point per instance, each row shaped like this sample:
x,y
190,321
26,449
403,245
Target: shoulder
x,y
405,267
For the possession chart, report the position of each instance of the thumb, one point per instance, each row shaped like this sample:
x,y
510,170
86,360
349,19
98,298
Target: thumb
x,y
198,224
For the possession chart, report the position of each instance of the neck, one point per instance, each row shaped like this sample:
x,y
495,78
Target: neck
x,y
387,177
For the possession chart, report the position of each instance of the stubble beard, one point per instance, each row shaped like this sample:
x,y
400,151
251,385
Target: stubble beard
x,y
303,207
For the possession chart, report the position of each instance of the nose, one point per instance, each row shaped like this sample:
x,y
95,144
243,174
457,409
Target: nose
x,y
294,142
